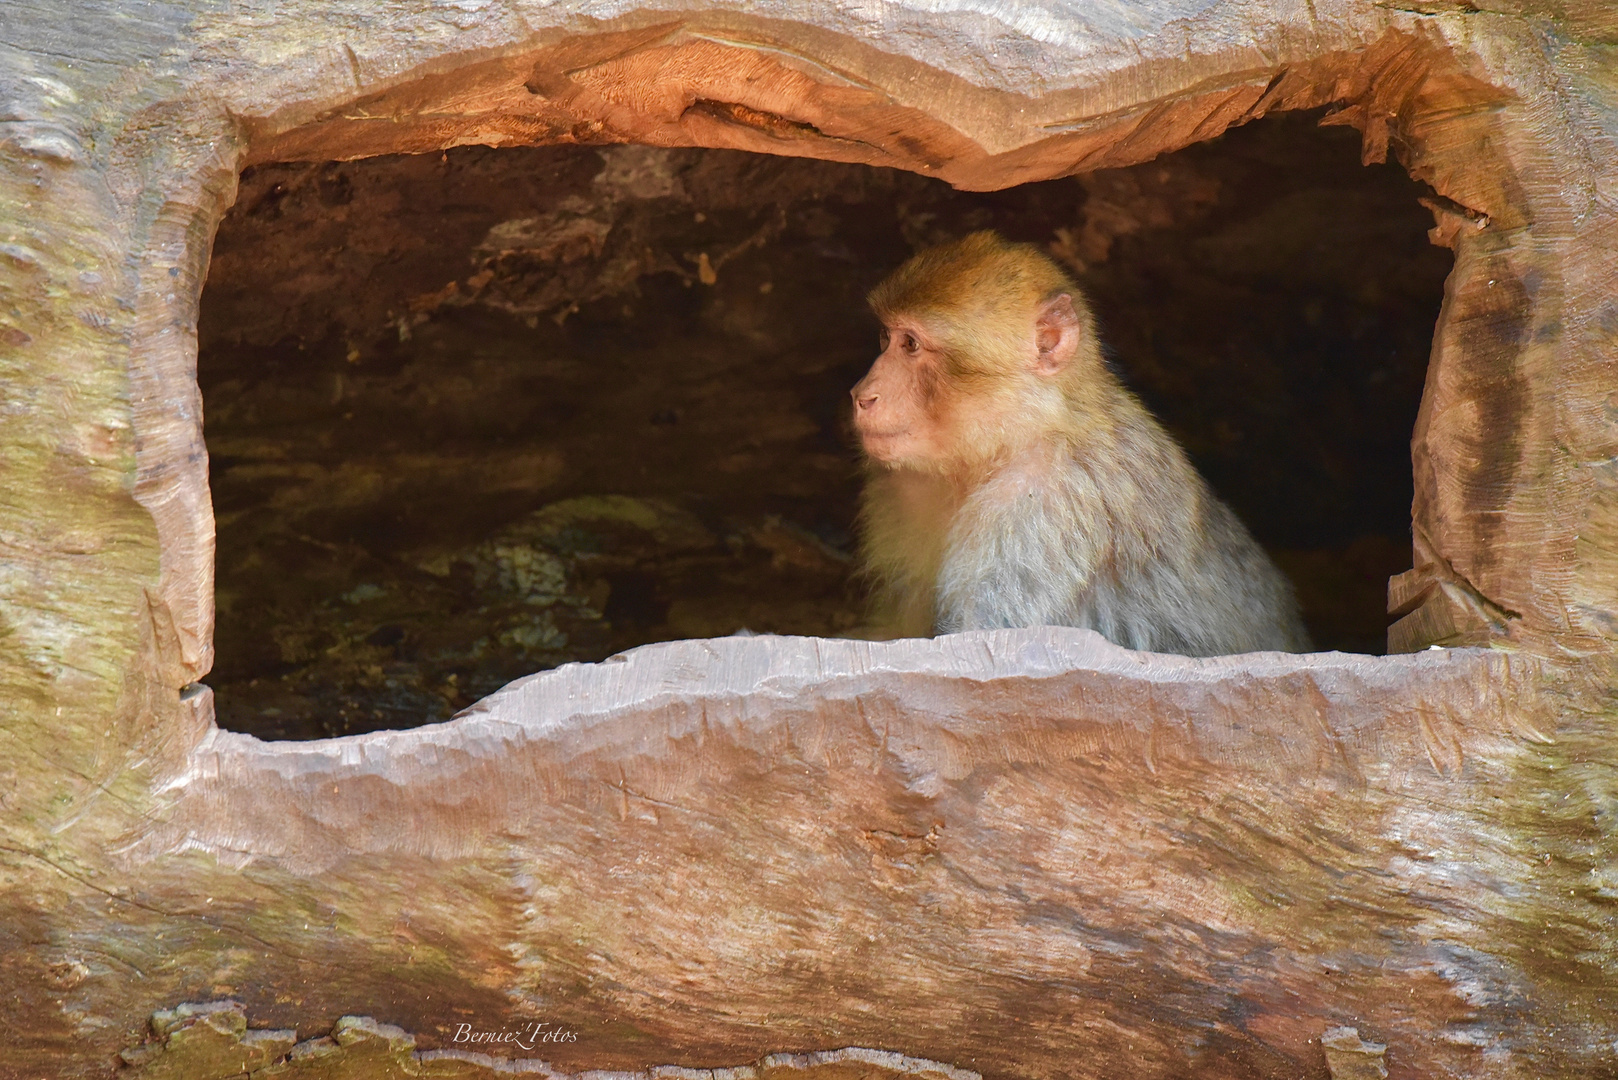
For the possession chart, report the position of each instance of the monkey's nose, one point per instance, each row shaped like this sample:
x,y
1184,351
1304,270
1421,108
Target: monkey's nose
x,y
864,401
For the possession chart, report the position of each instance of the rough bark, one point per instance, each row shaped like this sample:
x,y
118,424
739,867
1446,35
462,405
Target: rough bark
x,y
1024,853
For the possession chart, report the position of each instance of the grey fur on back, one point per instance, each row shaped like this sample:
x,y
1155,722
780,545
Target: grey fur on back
x,y
1173,571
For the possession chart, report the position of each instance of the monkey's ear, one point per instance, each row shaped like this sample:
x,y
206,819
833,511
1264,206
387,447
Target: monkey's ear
x,y
1056,331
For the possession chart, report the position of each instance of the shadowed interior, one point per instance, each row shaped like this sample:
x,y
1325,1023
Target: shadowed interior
x,y
479,413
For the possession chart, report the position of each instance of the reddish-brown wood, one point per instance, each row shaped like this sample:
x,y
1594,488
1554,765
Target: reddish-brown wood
x,y
1024,853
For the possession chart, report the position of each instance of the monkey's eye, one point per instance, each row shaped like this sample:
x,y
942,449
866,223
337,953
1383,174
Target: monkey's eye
x,y
910,344
882,339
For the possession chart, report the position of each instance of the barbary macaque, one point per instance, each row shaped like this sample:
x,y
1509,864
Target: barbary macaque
x,y
1012,480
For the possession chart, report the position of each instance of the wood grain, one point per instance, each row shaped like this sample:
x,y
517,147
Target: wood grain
x,y
1024,854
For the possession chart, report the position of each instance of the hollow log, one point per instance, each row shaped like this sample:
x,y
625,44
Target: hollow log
x,y
1019,853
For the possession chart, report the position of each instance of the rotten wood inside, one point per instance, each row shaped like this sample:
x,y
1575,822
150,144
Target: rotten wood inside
x,y
476,414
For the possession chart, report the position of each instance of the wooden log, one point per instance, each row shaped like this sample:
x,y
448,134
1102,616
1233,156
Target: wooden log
x,y
1018,854
992,847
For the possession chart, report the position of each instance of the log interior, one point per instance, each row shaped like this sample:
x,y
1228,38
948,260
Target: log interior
x,y
478,413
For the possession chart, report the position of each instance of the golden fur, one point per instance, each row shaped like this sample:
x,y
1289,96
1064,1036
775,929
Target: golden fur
x,y
1033,487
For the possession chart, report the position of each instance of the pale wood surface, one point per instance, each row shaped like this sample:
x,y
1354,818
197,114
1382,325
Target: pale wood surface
x,y
1169,867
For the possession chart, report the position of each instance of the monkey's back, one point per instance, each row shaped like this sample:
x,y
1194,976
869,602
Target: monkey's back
x,y
1221,596
1124,538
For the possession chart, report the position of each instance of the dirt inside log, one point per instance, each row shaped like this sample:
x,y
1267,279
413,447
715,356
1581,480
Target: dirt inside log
x,y
475,414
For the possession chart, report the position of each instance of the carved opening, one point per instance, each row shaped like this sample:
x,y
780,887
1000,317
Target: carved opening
x,y
721,849
478,413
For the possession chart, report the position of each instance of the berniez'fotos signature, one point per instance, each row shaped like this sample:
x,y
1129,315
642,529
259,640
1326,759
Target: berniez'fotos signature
x,y
528,1037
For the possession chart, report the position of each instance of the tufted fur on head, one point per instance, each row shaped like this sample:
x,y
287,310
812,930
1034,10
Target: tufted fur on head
x,y
985,301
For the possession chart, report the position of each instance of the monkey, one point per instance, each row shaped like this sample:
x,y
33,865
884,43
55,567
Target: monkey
x,y
1012,480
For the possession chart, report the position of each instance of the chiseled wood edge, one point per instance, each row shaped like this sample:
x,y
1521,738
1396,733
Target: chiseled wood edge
x,y
573,730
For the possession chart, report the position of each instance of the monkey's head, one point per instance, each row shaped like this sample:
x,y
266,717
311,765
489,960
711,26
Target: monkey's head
x,y
987,346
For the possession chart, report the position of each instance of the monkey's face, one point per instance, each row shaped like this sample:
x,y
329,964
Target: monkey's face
x,y
896,405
